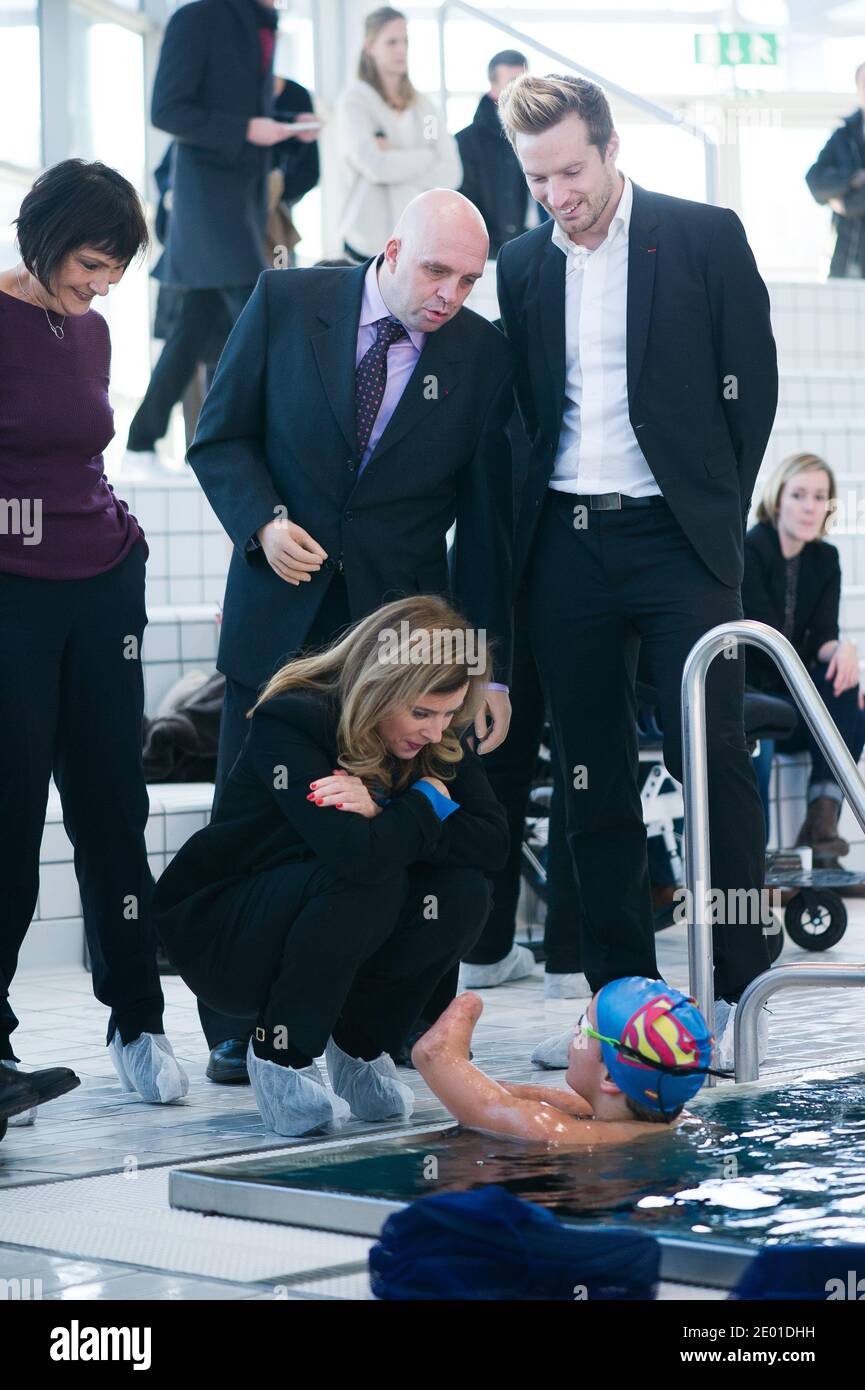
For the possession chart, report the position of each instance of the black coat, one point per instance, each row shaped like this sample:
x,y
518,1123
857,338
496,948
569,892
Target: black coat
x,y
829,177
264,821
492,177
818,598
298,161
208,86
277,436
698,313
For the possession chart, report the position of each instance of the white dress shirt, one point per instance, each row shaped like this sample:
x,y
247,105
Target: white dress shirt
x,y
598,450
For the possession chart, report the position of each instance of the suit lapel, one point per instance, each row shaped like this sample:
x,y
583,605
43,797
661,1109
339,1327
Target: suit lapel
x,y
335,348
550,315
642,255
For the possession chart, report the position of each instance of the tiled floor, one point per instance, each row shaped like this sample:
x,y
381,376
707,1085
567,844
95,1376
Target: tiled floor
x,y
98,1129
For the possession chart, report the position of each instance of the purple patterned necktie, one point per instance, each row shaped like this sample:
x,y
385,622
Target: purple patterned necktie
x,y
371,378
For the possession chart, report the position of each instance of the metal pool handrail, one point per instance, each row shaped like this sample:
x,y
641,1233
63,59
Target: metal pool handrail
x,y
797,976
725,638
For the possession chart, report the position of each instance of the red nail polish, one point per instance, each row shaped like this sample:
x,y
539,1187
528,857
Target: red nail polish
x,y
311,797
318,801
339,805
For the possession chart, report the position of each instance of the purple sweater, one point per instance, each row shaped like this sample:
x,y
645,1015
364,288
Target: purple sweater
x,y
59,517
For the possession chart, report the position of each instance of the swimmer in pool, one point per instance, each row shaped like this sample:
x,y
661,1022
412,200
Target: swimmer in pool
x,y
640,1051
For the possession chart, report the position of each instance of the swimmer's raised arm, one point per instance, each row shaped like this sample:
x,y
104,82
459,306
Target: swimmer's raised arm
x,y
441,1056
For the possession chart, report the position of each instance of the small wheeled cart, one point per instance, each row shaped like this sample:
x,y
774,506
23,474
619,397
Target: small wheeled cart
x,y
815,916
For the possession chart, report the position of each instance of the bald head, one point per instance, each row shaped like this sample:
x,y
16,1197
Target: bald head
x,y
445,216
435,255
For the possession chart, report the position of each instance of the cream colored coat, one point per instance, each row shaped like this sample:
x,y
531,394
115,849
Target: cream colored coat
x,y
381,182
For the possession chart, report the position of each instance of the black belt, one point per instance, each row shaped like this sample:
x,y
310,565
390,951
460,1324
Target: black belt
x,y
608,501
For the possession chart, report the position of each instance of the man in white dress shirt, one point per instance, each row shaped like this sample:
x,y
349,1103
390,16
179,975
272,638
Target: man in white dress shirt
x,y
647,381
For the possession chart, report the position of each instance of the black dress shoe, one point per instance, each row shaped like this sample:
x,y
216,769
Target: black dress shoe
x,y
21,1090
227,1062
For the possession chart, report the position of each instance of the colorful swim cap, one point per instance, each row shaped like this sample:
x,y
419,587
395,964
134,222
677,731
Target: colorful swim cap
x,y
661,1024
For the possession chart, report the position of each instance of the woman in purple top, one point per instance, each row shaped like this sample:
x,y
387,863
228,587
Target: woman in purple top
x,y
72,612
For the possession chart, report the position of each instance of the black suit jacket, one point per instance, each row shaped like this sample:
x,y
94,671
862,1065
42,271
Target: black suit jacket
x,y
492,176
208,86
277,436
264,821
818,599
698,315
299,162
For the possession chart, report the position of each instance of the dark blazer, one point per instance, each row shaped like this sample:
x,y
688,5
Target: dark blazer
x,y
264,821
698,312
298,161
277,436
208,86
818,598
492,176
829,177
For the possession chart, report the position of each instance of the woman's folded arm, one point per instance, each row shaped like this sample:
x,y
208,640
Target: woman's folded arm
x,y
363,850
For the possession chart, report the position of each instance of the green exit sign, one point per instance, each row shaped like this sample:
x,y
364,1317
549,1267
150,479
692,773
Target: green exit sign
x,y
727,50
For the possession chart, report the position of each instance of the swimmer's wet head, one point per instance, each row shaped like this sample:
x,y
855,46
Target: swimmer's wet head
x,y
642,1047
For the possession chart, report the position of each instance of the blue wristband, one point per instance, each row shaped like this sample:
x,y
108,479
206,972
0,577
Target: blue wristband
x,y
442,805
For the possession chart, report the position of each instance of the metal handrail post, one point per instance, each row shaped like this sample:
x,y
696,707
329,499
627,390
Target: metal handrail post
x,y
443,85
727,638
797,976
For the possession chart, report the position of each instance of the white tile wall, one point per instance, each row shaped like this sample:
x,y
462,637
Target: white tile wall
x,y
189,550
828,319
178,638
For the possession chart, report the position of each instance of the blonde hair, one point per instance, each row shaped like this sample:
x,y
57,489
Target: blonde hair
x,y
788,468
374,670
529,105
366,68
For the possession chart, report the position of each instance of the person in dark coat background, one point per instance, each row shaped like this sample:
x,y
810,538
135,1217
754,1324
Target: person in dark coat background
x,y
345,868
213,93
492,177
793,582
297,159
837,179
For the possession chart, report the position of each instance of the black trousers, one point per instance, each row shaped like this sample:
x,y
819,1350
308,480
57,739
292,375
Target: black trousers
x,y
332,616
510,768
71,704
201,314
303,954
595,595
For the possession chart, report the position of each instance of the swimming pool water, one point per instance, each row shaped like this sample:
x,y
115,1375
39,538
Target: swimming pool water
x,y
778,1164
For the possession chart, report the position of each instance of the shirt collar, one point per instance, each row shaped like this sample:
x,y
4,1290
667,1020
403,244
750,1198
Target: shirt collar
x,y
619,225
373,306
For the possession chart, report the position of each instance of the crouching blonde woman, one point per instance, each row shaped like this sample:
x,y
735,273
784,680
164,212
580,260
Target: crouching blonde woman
x,y
345,870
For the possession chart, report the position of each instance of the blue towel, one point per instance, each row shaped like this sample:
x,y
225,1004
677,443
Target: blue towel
x,y
821,1272
489,1244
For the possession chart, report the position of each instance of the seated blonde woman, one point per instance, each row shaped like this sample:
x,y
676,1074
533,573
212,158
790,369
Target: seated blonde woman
x,y
344,871
792,582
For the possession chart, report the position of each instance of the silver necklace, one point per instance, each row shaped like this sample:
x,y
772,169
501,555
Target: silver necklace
x,y
56,328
